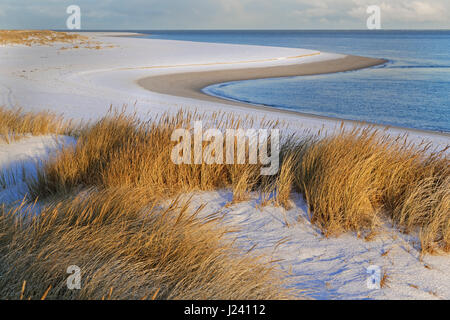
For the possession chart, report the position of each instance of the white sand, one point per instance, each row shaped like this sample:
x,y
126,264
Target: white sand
x,y
84,82
19,160
334,268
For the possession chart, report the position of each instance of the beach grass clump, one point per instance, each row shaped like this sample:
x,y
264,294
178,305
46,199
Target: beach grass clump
x,y
126,247
427,206
354,179
121,150
16,124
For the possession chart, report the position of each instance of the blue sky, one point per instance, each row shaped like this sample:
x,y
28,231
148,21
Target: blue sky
x,y
225,14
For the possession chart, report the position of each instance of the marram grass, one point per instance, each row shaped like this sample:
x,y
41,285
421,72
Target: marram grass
x,y
126,248
352,180
100,207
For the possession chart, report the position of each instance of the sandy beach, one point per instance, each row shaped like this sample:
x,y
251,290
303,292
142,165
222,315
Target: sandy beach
x,y
190,84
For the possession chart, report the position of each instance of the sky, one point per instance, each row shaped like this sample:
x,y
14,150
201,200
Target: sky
x,y
224,14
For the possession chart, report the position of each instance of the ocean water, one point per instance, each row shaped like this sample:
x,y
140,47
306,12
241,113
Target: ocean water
x,y
411,90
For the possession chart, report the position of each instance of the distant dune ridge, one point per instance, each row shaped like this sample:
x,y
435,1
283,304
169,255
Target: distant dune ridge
x,y
46,38
38,37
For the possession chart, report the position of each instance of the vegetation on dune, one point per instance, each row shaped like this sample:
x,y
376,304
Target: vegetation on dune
x,y
352,180
41,37
102,207
126,248
16,124
355,179
121,150
47,38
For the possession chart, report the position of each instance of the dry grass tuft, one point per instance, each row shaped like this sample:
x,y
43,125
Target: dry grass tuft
x,y
16,124
353,179
385,280
46,37
121,150
102,197
126,248
102,206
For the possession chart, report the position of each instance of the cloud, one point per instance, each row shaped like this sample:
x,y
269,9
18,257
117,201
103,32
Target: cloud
x,y
225,14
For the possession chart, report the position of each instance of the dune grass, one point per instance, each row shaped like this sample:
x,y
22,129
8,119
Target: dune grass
x,y
102,214
353,180
126,248
121,150
41,37
16,124
48,38
100,207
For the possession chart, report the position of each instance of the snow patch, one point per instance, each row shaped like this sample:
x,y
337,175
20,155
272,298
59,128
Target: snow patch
x,y
329,268
20,159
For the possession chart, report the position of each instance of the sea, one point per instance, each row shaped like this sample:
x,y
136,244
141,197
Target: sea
x,y
411,90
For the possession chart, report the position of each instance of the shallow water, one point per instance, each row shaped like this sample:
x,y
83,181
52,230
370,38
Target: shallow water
x,y
412,90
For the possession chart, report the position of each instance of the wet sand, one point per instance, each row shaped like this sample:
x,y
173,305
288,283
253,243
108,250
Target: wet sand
x,y
190,84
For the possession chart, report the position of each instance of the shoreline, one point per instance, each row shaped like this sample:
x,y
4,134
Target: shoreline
x,y
191,85
172,75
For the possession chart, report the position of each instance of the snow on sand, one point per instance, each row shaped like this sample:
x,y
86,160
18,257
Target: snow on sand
x,y
19,160
331,268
